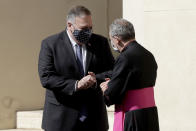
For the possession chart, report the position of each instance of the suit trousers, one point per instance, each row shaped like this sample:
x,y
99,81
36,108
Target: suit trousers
x,y
84,126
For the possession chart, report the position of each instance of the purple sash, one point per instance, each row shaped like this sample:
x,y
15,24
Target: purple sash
x,y
133,100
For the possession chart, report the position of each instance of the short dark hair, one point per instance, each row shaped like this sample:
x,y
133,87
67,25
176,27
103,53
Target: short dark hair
x,y
77,11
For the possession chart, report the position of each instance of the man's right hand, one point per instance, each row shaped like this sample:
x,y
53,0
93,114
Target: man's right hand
x,y
87,81
104,85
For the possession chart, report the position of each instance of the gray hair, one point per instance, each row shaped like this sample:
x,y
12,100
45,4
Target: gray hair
x,y
77,11
122,29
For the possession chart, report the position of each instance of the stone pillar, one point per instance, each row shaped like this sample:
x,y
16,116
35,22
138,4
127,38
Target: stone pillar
x,y
167,28
133,10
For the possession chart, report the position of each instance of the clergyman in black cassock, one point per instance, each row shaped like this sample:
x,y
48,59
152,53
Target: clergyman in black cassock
x,y
131,85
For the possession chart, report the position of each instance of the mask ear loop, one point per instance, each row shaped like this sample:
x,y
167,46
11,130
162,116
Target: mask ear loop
x,y
112,44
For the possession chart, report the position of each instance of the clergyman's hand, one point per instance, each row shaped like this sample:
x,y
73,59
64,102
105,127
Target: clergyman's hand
x,y
104,85
87,81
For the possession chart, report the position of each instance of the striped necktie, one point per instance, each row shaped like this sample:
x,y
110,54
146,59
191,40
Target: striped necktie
x,y
79,59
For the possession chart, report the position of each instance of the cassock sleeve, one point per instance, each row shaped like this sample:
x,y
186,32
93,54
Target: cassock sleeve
x,y
107,62
116,86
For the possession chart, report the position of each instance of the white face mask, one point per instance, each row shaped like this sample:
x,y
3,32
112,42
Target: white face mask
x,y
114,47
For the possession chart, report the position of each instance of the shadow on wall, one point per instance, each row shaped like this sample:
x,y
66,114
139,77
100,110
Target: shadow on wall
x,y
9,105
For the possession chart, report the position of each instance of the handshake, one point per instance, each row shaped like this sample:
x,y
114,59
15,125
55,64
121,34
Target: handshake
x,y
89,80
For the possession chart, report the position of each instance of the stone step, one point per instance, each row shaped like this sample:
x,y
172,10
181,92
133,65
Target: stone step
x,y
29,119
111,120
110,109
22,130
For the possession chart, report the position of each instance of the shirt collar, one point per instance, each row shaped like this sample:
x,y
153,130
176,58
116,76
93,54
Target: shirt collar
x,y
72,41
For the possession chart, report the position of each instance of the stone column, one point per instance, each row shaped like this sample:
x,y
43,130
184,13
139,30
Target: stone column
x,y
167,28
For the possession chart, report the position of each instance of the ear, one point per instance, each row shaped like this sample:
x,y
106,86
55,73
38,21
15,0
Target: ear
x,y
69,24
117,39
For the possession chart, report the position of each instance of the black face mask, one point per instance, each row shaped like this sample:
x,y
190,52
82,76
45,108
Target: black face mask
x,y
82,36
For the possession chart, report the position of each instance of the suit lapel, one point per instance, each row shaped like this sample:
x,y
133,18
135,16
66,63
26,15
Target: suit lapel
x,y
69,49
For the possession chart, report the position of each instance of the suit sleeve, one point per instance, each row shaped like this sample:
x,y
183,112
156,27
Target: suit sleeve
x,y
49,78
116,86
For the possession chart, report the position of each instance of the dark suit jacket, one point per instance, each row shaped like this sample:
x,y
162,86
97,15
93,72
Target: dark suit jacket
x,y
59,72
135,68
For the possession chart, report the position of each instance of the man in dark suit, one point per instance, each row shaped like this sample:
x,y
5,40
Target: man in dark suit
x,y
68,62
131,85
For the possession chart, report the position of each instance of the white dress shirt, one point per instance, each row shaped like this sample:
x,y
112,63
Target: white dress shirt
x,y
84,51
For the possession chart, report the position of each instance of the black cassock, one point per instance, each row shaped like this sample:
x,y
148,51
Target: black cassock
x,y
135,70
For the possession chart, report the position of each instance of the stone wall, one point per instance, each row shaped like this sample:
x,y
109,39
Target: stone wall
x,y
24,23
167,28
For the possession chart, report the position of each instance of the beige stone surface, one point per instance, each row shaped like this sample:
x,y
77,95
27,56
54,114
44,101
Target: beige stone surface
x,y
173,43
133,10
24,23
29,119
111,120
169,5
169,32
